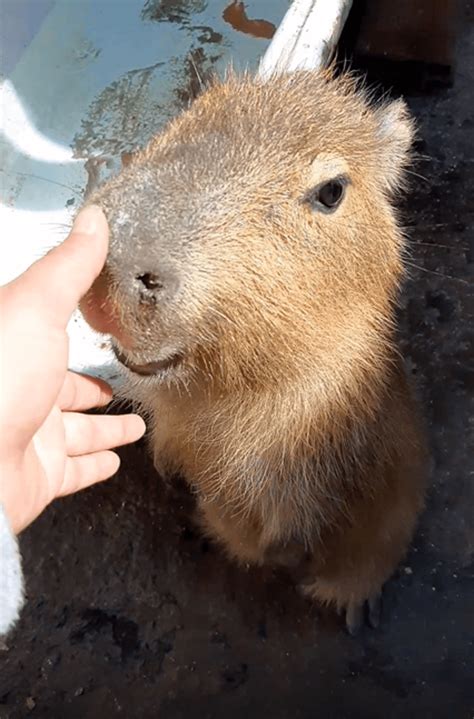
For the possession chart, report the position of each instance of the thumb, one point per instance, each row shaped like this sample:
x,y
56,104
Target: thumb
x,y
54,284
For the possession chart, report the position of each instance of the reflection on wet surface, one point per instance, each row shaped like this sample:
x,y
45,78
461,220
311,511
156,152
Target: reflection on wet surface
x,y
120,114
178,11
137,104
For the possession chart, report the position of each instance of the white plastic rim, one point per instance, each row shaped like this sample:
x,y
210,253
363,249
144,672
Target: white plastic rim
x,y
306,37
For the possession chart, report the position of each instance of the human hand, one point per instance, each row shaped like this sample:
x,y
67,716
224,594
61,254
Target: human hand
x,y
48,448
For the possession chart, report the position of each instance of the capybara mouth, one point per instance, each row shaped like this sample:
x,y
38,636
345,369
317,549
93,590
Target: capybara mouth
x,y
149,368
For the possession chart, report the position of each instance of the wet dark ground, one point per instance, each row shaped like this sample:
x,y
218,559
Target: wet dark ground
x,y
130,613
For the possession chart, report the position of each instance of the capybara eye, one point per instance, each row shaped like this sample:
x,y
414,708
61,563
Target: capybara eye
x,y
328,196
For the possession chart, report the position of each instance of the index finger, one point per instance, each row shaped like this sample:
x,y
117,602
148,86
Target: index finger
x,y
81,392
55,283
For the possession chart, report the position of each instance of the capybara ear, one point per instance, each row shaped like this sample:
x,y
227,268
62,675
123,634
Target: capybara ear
x,y
395,133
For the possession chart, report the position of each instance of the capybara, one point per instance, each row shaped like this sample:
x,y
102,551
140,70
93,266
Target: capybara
x,y
250,289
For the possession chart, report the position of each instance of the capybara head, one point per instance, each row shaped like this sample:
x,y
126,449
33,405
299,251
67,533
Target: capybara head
x,y
254,238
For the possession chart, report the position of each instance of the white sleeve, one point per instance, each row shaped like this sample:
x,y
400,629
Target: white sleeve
x,y
11,576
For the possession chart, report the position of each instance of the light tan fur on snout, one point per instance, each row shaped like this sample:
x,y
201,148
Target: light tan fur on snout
x,y
290,417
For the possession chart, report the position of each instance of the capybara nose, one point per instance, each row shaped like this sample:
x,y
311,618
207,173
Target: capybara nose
x,y
150,286
157,287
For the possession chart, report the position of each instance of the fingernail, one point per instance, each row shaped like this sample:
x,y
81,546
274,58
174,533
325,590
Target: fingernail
x,y
88,220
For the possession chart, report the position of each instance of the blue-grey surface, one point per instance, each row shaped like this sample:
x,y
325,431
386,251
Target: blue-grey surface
x,y
98,78
101,76
20,21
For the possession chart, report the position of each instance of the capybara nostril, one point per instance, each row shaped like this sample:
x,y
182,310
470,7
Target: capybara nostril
x,y
150,281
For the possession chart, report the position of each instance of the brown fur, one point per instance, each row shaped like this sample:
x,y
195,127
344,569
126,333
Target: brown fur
x,y
289,414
